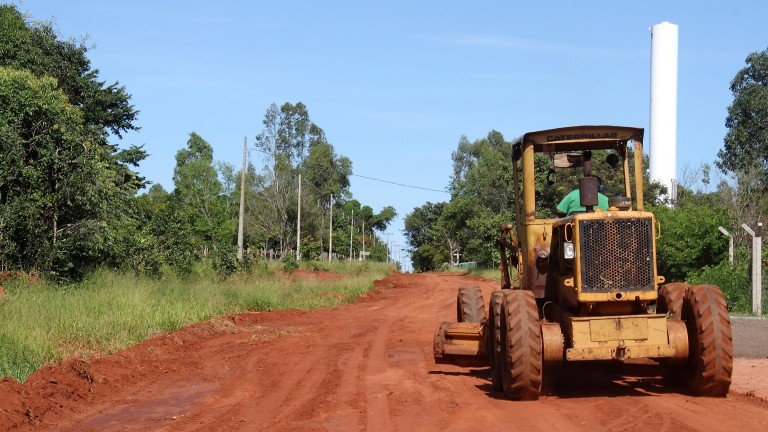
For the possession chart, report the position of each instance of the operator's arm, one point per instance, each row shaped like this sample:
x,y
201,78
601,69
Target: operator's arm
x,y
562,209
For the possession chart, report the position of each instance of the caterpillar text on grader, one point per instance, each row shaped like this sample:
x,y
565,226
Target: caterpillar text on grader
x,y
586,284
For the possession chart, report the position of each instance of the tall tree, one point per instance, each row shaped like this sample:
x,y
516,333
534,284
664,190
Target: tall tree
x,y
428,245
198,189
55,184
106,108
744,156
326,172
292,143
746,143
103,112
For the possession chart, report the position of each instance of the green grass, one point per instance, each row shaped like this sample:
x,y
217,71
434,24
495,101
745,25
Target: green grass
x,y
492,273
488,273
44,323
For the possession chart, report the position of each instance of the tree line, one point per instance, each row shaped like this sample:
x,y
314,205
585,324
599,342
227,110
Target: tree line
x,y
691,248
71,199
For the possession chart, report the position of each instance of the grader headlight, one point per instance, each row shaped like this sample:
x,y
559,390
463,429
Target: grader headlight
x,y
568,250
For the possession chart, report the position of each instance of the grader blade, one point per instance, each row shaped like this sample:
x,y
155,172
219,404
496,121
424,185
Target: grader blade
x,y
461,343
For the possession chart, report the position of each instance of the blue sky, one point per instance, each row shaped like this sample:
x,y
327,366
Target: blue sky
x,y
395,84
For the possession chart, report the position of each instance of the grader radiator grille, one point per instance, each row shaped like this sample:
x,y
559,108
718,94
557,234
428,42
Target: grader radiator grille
x,y
616,255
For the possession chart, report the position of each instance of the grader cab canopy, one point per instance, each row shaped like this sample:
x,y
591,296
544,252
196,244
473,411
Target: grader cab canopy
x,y
584,286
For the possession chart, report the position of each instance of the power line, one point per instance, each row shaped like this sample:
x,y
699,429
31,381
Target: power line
x,y
376,179
398,184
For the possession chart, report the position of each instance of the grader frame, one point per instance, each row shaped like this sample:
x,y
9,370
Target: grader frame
x,y
587,287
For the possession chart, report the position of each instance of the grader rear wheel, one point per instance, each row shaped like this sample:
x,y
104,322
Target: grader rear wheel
x,y
469,305
710,358
494,343
521,370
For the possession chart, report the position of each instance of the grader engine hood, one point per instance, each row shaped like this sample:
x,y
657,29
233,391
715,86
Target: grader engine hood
x,y
614,256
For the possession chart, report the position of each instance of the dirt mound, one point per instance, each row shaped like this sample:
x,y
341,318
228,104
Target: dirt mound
x,y
50,391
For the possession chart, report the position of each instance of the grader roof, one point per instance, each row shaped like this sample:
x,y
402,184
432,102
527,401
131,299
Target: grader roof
x,y
574,138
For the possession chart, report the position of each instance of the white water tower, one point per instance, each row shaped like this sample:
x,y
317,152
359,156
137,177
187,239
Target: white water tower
x,y
663,123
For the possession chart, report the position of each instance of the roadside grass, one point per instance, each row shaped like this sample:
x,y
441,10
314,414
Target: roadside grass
x,y
43,323
488,273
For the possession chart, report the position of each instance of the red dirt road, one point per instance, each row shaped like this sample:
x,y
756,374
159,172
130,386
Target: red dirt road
x,y
366,366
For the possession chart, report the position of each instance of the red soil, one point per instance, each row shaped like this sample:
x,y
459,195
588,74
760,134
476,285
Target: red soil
x,y
366,366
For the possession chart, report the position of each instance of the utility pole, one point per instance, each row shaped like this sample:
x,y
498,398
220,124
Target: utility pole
x,y
298,225
322,224
392,253
387,245
330,232
363,256
240,219
757,269
351,226
730,243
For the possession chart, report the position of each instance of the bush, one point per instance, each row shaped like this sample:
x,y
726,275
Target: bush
x,y
689,239
289,262
225,259
733,281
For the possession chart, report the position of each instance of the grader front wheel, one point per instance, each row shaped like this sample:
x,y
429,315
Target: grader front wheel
x,y
469,305
521,370
671,298
710,359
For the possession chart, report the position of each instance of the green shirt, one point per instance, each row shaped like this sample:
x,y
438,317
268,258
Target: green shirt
x,y
572,203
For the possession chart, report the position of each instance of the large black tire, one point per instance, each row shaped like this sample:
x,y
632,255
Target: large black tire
x,y
469,305
710,359
494,342
671,298
521,372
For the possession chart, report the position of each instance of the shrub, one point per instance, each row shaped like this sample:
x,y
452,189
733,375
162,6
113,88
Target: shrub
x,y
733,281
225,260
690,239
289,263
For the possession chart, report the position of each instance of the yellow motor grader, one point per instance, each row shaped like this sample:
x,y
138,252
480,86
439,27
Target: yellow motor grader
x,y
584,287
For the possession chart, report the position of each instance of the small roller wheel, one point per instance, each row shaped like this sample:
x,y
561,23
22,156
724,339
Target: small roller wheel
x,y
671,298
521,372
469,305
494,342
710,358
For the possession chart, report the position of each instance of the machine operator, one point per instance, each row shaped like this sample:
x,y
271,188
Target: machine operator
x,y
572,202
